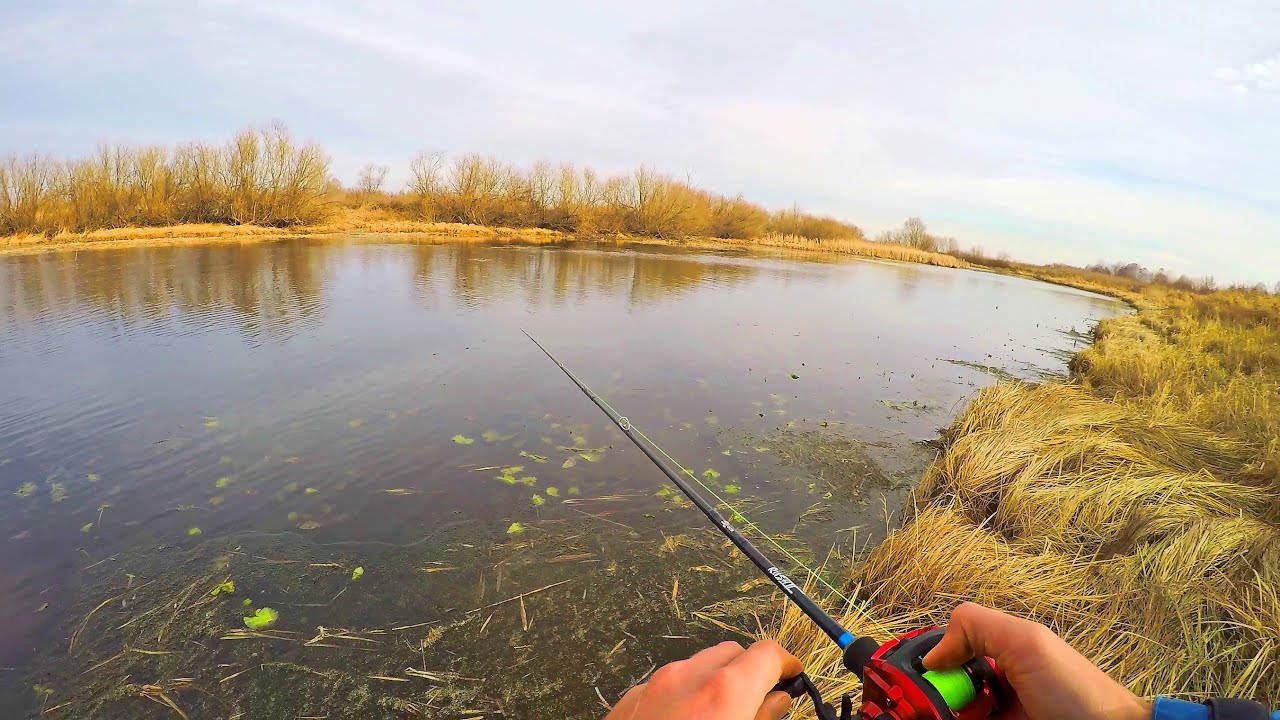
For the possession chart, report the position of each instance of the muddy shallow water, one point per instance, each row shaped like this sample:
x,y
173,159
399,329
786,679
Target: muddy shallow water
x,y
278,415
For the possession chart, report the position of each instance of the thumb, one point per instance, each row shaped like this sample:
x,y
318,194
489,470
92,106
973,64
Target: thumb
x,y
975,630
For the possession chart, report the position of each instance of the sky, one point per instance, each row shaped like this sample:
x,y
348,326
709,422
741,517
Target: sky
x,y
1054,131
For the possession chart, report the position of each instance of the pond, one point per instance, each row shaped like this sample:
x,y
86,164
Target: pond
x,y
356,434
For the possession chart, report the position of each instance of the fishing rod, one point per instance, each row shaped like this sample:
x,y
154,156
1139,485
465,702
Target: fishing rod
x,y
895,684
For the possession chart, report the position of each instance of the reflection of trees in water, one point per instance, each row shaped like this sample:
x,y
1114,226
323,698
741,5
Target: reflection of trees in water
x,y
476,274
266,288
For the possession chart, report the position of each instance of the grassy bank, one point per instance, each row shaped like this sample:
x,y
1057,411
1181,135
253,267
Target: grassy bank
x,y
1133,509
367,220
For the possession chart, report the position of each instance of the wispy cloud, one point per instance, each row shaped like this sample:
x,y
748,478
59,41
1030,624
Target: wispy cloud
x,y
1263,76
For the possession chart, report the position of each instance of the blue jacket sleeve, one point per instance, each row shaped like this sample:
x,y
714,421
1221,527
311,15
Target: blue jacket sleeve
x,y
1216,709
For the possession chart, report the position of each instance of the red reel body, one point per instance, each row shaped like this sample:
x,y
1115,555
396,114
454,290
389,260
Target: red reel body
x,y
894,686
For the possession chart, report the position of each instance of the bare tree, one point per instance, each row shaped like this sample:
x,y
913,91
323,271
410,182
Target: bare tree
x,y
370,180
916,235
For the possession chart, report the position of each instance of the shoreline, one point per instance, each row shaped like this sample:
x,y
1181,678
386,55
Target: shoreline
x,y
356,222
365,222
1129,507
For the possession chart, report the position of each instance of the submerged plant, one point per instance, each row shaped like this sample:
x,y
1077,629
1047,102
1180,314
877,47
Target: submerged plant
x,y
261,619
515,528
192,532
537,501
462,439
223,588
25,490
357,573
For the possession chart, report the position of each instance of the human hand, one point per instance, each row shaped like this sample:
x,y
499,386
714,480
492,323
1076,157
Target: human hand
x,y
723,682
1051,680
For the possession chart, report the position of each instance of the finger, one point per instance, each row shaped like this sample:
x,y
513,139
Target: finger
x,y
763,665
774,707
714,657
976,630
626,708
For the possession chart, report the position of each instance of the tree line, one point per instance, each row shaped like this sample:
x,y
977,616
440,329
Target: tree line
x,y
261,176
264,177
483,190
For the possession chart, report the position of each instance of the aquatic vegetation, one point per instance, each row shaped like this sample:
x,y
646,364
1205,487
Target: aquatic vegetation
x,y
262,619
57,492
731,489
357,573
217,500
222,482
592,455
528,480
462,439
193,531
25,490
569,462
515,528
905,405
212,423
533,457
226,587
399,491
353,424
310,491
551,492
91,477
508,479
537,501
710,474
86,527
573,490
308,525
512,470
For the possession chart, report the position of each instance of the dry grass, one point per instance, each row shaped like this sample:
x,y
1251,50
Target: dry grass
x,y
374,221
348,221
1133,510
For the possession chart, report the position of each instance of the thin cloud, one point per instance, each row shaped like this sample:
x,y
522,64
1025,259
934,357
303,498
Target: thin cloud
x,y
1261,76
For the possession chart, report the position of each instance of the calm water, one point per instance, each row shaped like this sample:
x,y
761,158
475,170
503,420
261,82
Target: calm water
x,y
270,395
